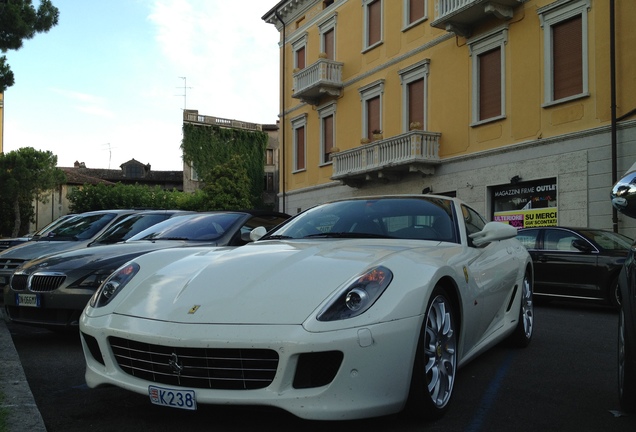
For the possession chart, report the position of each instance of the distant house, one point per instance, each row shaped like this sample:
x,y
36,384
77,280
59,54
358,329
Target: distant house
x,y
55,204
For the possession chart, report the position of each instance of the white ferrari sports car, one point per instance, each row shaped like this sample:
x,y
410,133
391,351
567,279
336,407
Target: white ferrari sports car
x,y
355,308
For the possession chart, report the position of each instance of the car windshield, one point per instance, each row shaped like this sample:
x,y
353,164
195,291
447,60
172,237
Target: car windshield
x,y
423,218
608,240
81,227
196,227
130,226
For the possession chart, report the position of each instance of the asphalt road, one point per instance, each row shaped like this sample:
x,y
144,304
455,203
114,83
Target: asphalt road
x,y
564,381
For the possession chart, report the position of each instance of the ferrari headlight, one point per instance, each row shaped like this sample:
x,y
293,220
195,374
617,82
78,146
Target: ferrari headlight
x,y
113,285
359,296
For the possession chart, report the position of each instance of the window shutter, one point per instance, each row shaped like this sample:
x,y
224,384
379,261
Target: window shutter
x,y
329,44
375,20
416,101
490,84
373,116
300,58
567,52
300,148
327,133
416,10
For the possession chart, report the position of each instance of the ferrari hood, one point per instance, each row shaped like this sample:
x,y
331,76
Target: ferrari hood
x,y
261,283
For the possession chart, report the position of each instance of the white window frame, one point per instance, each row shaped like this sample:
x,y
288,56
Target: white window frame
x,y
297,123
550,15
497,38
194,175
298,44
365,25
324,27
407,11
409,74
326,111
367,92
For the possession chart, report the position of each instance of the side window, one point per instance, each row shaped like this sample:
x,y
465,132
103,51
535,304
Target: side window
x,y
557,240
473,221
528,238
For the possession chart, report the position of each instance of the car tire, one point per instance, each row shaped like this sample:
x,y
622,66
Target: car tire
x,y
435,363
614,294
626,365
522,334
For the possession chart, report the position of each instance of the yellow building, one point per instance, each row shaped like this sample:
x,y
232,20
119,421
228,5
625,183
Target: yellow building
x,y
506,104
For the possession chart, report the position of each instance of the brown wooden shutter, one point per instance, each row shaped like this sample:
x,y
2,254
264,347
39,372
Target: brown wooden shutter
x,y
375,22
329,44
416,101
300,148
373,116
567,52
327,133
490,84
300,58
416,10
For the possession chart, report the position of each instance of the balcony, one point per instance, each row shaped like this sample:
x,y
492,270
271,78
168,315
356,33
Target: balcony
x,y
193,116
323,78
460,16
388,159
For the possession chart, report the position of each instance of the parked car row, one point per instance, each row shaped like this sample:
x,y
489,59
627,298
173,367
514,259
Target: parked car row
x,y
49,288
412,284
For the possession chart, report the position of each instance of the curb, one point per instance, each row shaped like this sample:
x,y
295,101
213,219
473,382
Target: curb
x,y
18,400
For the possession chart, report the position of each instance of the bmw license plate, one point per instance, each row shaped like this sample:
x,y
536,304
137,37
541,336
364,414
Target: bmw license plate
x,y
174,398
31,300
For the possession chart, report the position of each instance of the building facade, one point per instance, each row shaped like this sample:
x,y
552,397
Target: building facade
x,y
522,108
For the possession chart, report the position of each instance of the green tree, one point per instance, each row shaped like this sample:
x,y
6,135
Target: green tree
x,y
19,20
228,186
24,175
208,148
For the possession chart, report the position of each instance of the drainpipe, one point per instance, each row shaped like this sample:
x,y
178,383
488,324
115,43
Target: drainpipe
x,y
612,17
282,122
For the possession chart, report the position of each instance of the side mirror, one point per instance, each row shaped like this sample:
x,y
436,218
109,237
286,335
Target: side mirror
x,y
493,231
257,233
624,193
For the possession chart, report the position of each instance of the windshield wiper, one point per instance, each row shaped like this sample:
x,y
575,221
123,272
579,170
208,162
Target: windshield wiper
x,y
277,237
346,235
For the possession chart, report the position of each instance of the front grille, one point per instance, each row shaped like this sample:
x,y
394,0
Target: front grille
x,y
46,317
205,368
38,282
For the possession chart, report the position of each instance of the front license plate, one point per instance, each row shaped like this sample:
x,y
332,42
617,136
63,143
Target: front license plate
x,y
183,399
31,300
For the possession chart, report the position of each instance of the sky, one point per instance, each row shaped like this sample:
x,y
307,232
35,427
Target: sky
x,y
109,83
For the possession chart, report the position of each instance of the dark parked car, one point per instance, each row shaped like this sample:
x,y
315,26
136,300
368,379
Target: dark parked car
x,y
76,232
624,200
6,243
576,263
51,292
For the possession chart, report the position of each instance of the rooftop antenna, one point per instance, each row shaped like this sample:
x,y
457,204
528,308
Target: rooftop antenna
x,y
185,91
110,153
